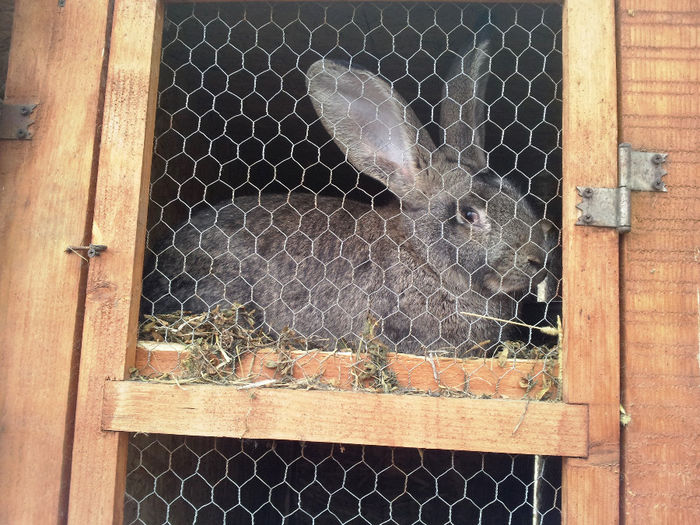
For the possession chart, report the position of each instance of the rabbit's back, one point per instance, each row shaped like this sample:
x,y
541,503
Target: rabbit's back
x,y
316,264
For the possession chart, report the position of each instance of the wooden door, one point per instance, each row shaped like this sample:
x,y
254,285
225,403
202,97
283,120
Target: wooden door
x,y
584,427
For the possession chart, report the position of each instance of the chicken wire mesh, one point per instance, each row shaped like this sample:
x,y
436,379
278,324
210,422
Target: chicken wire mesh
x,y
334,167
178,480
332,186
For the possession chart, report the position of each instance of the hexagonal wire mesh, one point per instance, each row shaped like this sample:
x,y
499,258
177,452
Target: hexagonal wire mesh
x,y
252,202
360,173
178,480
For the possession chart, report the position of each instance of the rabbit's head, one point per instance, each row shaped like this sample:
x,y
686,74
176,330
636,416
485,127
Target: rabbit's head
x,y
474,229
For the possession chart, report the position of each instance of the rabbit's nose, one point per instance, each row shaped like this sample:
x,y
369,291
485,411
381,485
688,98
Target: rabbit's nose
x,y
533,257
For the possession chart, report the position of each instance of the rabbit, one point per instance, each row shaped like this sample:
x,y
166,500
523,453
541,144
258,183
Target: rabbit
x,y
456,238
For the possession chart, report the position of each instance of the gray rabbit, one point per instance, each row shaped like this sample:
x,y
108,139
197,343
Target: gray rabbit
x,y
456,238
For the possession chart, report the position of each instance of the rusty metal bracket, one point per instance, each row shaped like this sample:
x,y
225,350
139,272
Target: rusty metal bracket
x,y
605,208
93,250
15,120
641,170
610,207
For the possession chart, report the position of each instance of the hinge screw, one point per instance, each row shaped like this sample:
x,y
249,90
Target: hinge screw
x,y
93,250
658,184
25,110
587,217
588,192
21,133
657,158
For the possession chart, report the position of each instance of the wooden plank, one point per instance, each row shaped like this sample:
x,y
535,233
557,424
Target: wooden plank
x,y
590,258
507,379
390,420
114,279
637,7
660,110
57,59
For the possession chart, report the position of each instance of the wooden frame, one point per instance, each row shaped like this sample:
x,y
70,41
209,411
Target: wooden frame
x,y
591,260
514,427
111,311
590,294
56,60
660,270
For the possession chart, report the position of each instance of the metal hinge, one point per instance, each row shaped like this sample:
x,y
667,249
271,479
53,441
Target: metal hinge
x,y
15,120
610,207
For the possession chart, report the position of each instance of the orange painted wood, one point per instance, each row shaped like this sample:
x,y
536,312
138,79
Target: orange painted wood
x,y
514,379
56,59
660,111
114,279
493,425
590,257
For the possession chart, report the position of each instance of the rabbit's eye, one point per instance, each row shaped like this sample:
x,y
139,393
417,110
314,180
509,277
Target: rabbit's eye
x,y
469,215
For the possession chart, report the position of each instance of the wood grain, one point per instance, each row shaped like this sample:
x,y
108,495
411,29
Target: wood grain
x,y
56,60
511,379
114,279
660,111
590,259
389,420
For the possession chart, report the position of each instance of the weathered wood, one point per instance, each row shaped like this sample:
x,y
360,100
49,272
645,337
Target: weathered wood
x,y
509,379
595,348
56,60
347,417
590,258
114,279
660,111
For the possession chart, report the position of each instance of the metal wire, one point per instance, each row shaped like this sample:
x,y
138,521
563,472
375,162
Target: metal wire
x,y
252,202
177,480
238,140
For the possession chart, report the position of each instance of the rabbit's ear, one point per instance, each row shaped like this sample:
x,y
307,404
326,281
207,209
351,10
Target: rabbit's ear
x,y
463,108
373,126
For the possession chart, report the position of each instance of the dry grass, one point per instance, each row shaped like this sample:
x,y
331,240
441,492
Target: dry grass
x,y
217,343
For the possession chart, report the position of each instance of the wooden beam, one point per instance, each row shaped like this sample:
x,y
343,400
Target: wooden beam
x,y
57,60
518,427
114,279
590,259
507,379
659,110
